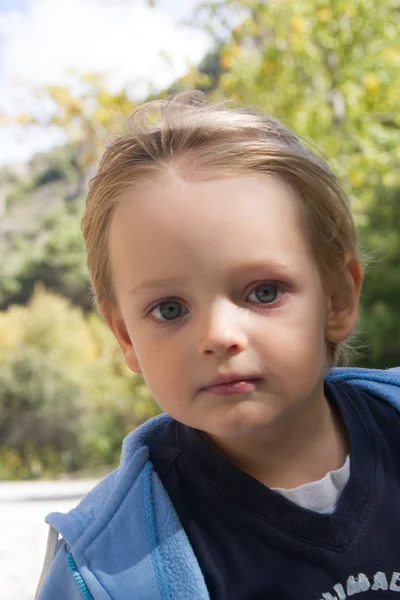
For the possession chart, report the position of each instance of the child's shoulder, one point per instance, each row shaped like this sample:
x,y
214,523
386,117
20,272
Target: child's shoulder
x,y
118,518
384,383
110,491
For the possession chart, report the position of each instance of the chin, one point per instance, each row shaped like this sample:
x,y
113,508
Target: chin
x,y
242,428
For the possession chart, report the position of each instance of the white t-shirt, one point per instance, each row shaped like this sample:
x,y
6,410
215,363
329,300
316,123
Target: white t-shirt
x,y
320,496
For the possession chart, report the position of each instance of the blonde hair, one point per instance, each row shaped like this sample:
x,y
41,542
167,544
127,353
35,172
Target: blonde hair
x,y
185,130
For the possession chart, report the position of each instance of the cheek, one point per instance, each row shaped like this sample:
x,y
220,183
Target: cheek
x,y
163,370
296,342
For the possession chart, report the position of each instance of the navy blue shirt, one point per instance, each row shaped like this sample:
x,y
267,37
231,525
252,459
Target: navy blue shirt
x,y
254,544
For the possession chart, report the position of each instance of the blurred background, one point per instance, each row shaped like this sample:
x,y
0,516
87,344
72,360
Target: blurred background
x,y
70,74
71,71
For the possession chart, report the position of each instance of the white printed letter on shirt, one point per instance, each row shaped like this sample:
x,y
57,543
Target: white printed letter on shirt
x,y
380,582
395,582
356,585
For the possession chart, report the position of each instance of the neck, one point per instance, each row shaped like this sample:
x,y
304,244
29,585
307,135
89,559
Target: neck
x,y
300,448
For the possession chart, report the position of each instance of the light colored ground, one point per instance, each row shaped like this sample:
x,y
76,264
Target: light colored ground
x,y
23,532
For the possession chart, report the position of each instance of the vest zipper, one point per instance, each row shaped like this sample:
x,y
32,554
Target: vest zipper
x,y
78,578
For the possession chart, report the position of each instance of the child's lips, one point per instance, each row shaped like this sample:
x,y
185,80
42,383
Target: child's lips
x,y
227,385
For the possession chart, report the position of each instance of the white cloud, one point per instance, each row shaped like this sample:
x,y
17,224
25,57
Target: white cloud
x,y
123,39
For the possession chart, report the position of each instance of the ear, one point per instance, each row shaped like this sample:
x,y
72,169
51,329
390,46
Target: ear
x,y
115,321
343,308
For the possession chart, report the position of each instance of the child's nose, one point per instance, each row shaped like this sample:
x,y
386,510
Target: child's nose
x,y
222,331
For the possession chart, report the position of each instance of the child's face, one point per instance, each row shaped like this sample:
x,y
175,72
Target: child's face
x,y
217,277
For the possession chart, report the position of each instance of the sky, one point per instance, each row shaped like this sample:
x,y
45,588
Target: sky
x,y
42,41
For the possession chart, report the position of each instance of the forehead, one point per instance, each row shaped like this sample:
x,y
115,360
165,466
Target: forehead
x,y
174,221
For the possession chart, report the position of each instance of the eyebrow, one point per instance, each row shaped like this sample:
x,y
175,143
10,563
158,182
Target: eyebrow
x,y
155,283
283,268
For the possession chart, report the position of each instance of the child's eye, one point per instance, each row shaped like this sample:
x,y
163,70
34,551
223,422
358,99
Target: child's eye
x,y
266,293
168,310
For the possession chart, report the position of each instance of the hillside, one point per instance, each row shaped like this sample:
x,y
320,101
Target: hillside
x,y
40,207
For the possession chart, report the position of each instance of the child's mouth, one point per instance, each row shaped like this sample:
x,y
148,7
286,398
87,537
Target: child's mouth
x,y
238,386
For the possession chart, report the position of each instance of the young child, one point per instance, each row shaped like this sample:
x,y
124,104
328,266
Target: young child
x,y
224,260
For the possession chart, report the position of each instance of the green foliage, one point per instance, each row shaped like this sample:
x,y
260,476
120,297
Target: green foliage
x,y
20,187
49,250
59,164
45,167
381,292
59,261
88,117
67,399
327,69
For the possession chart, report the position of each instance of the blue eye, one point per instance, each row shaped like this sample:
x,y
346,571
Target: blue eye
x,y
266,293
168,310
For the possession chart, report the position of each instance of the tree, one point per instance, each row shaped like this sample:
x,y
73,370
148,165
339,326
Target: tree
x,y
67,398
327,69
40,236
88,112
